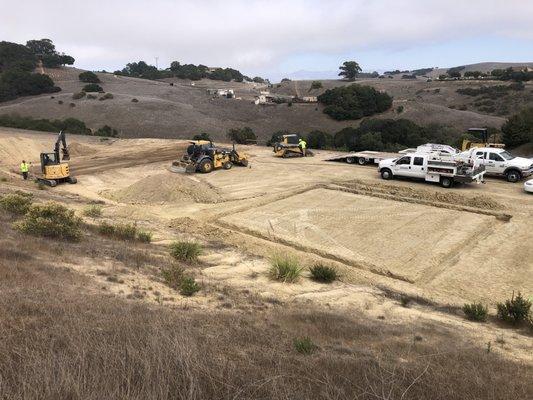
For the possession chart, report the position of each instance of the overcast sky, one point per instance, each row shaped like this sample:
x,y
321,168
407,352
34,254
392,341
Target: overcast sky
x,y
274,38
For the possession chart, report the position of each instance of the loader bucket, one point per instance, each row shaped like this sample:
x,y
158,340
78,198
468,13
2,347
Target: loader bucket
x,y
183,167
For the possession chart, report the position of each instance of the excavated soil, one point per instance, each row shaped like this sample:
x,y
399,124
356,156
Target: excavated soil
x,y
79,149
166,187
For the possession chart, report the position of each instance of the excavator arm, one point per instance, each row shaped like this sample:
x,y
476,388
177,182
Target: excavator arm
x,y
61,143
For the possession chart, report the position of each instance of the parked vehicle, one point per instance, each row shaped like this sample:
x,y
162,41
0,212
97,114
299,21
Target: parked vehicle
x,y
501,162
528,186
440,167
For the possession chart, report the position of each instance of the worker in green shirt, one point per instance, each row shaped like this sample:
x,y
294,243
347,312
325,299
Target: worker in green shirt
x,y
24,168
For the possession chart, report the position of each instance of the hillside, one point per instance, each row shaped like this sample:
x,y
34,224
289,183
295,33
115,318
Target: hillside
x,y
182,109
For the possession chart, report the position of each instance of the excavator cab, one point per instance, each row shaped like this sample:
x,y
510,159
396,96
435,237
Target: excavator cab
x,y
55,170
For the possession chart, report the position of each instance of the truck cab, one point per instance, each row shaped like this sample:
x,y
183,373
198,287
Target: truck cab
x,y
500,162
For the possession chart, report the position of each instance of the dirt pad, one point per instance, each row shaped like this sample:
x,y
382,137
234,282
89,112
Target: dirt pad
x,y
79,149
166,187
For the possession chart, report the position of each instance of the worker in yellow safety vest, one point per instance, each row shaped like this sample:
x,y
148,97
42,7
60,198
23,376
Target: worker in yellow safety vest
x,y
302,144
24,168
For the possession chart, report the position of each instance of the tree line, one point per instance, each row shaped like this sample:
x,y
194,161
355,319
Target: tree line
x,y
17,65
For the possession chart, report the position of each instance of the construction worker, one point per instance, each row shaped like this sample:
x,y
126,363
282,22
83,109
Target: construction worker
x,y
302,144
24,168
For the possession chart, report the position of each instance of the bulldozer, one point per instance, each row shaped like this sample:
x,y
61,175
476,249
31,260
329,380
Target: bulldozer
x,y
483,134
54,169
288,146
203,156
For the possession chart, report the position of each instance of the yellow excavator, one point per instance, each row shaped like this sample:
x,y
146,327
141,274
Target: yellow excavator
x,y
54,169
203,156
483,134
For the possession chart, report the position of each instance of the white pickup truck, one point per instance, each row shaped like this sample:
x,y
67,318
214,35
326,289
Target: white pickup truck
x,y
440,167
500,162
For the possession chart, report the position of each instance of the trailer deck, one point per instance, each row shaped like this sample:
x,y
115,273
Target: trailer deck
x,y
363,157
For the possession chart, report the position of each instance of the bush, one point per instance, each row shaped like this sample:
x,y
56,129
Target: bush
x,y
316,85
476,312
515,310
399,109
79,95
319,140
93,211
354,102
188,286
91,96
323,273
173,275
16,203
15,83
106,131
134,100
144,236
51,220
106,96
92,87
285,268
202,136
304,345
89,77
518,129
241,136
185,251
72,105
60,102
125,231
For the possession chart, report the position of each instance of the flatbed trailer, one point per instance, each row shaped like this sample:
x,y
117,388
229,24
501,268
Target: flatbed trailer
x,y
364,157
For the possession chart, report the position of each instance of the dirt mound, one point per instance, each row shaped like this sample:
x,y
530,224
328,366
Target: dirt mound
x,y
479,201
78,149
166,188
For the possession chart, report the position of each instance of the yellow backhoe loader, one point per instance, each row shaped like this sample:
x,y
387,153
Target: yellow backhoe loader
x,y
54,169
203,156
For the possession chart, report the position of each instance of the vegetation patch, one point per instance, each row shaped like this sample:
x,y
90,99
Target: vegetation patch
x,y
16,203
316,85
188,286
323,273
173,275
242,135
93,211
492,92
515,310
185,251
518,129
89,77
285,268
476,312
106,96
93,87
304,345
51,220
79,95
128,232
354,102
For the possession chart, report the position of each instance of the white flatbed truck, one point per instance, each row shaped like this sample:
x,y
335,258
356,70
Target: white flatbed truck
x,y
439,167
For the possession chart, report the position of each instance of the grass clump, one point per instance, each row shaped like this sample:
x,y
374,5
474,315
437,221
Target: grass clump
x,y
185,251
144,236
514,310
79,95
285,268
189,286
173,275
304,345
323,273
93,211
106,96
16,203
51,220
128,232
476,312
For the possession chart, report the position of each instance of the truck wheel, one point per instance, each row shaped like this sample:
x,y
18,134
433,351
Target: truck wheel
x,y
206,166
513,176
446,182
386,174
350,160
361,161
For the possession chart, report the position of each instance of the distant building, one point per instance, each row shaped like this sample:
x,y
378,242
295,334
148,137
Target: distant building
x,y
310,99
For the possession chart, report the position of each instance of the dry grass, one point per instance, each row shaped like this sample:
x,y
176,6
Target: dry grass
x,y
63,340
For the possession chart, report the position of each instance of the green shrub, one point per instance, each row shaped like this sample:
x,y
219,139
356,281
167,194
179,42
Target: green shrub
x,y
319,140
106,131
51,220
316,85
89,77
106,96
242,136
399,109
16,203
476,312
285,268
202,136
185,251
144,236
72,105
79,95
125,231
93,87
134,100
92,96
188,286
173,275
515,310
60,102
93,211
304,345
323,273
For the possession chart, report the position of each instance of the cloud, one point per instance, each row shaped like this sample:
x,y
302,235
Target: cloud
x,y
253,34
